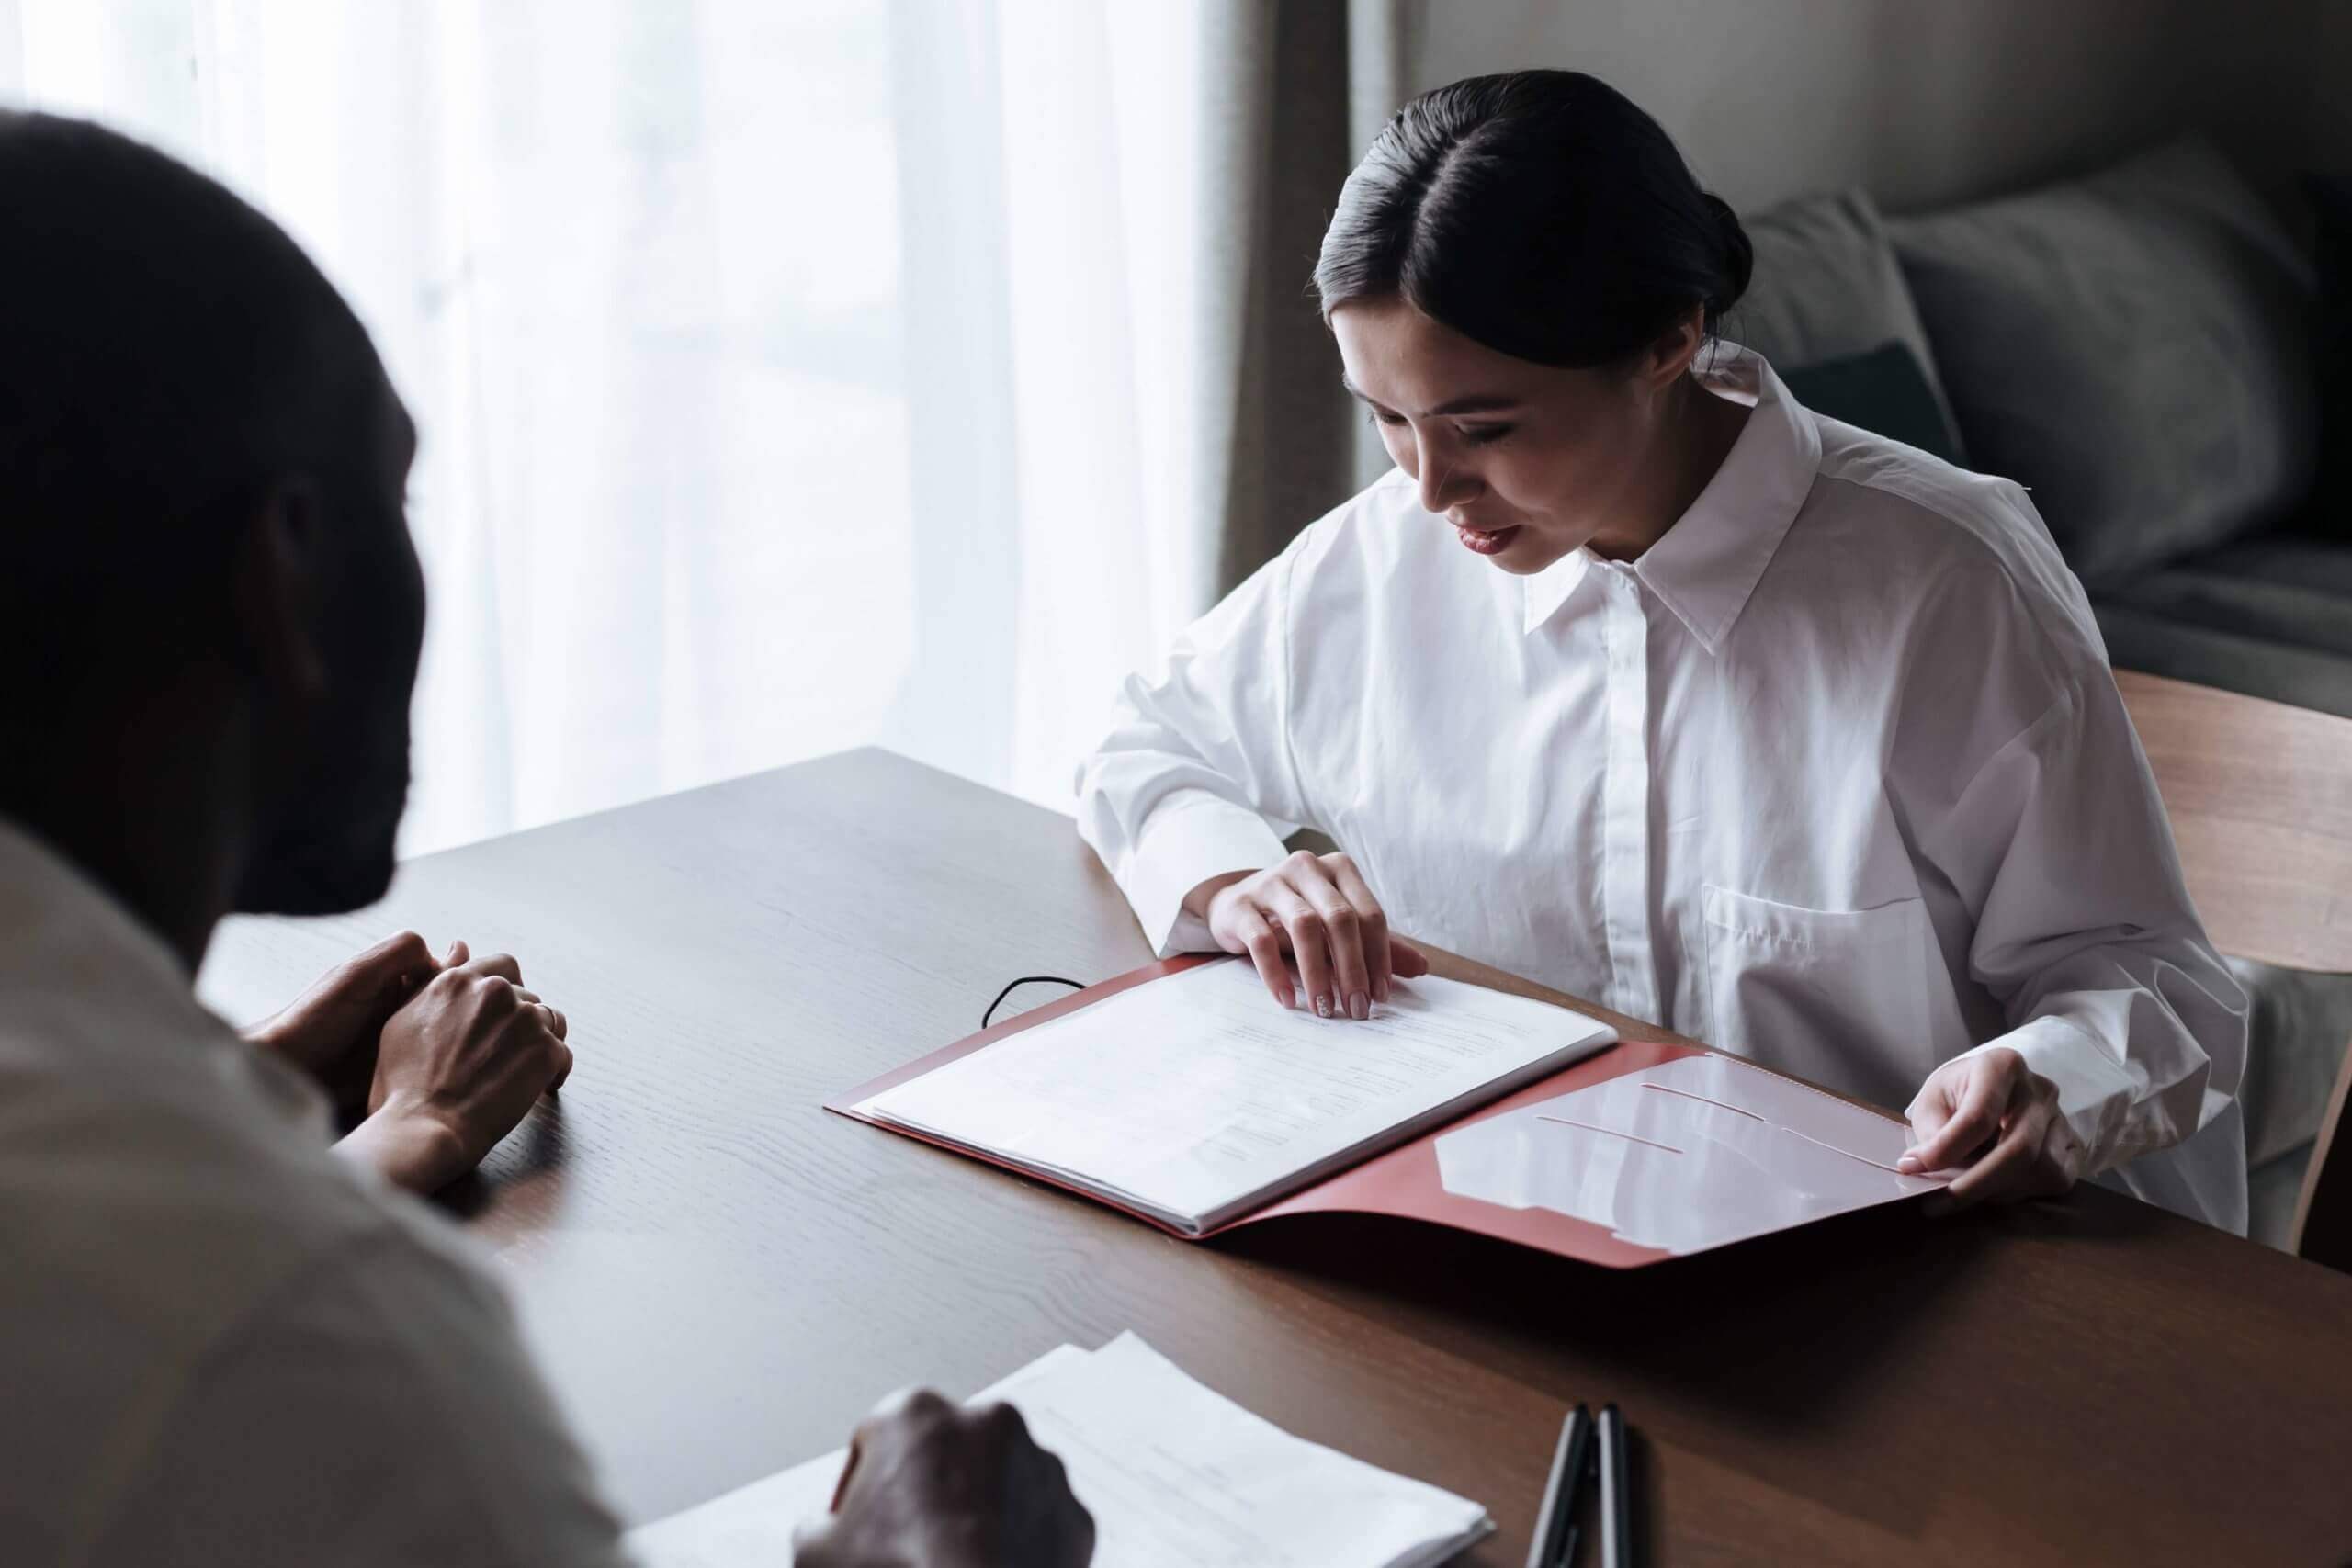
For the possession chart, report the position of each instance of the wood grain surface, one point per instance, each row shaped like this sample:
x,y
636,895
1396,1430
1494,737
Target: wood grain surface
x,y
2260,798
720,1277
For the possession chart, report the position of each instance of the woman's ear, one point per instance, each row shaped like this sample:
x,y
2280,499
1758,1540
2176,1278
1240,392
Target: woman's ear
x,y
1671,354
280,586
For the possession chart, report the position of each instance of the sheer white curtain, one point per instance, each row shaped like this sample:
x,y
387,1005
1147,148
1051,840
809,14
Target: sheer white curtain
x,y
792,376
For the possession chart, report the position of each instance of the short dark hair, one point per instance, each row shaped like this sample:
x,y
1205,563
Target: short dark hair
x,y
1540,213
165,353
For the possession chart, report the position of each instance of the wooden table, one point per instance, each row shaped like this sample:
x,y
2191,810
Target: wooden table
x,y
720,1277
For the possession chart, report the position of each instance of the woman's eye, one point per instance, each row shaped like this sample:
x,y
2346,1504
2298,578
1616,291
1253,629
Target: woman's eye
x,y
1486,434
1382,416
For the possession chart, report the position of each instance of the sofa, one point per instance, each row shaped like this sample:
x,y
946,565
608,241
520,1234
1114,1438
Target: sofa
x,y
2142,348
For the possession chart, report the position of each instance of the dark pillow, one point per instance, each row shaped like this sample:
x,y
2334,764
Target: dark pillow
x,y
1882,390
2131,347
1827,285
2330,196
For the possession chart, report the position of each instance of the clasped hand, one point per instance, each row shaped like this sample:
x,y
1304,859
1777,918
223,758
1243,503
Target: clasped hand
x,y
442,1057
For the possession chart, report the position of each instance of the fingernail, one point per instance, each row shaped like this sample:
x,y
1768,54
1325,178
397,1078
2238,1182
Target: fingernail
x,y
1322,1006
1359,1006
1906,1165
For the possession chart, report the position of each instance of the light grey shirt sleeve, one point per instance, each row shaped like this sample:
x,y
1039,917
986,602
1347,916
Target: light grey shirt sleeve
x,y
378,1410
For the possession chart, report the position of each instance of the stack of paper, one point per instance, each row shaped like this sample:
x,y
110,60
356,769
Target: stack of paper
x,y
1175,1475
1196,1098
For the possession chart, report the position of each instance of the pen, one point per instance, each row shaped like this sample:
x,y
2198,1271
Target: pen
x,y
1616,1501
1555,1520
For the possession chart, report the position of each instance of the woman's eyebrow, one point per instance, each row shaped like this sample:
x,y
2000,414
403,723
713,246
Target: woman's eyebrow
x,y
1492,402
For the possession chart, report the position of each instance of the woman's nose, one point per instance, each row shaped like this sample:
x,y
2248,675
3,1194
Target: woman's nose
x,y
1444,481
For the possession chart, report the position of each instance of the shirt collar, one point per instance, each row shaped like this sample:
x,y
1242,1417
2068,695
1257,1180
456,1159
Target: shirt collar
x,y
69,948
1549,589
60,930
1708,563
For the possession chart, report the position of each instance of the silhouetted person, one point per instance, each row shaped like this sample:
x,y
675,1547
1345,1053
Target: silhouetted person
x,y
220,1342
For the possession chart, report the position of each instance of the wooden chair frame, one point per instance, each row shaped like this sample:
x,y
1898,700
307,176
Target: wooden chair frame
x,y
2260,798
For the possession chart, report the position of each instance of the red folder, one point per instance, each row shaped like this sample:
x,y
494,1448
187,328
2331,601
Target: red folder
x,y
1640,1153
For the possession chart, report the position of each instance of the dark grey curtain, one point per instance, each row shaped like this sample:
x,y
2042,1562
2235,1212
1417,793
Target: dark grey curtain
x,y
1307,84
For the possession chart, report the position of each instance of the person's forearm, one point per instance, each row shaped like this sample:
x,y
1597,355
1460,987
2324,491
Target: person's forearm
x,y
270,1037
1195,779
413,1152
1190,845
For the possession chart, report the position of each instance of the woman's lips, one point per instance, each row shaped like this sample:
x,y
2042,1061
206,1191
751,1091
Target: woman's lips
x,y
1487,541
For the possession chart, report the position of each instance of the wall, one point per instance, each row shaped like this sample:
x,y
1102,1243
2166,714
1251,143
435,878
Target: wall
x,y
1924,102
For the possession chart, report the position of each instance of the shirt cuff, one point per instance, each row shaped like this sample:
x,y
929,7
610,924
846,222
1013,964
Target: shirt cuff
x,y
2096,1092
1182,845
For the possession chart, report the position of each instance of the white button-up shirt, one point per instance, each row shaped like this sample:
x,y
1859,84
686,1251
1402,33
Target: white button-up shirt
x,y
1834,777
220,1343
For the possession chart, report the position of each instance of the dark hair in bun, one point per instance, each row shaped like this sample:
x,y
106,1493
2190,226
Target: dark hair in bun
x,y
1540,213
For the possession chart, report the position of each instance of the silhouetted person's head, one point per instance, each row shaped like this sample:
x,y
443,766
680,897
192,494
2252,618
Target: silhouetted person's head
x,y
210,608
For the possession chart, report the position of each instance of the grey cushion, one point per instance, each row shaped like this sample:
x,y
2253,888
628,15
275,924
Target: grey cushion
x,y
2321,566
2331,206
2233,661
2290,592
2133,347
1827,285
1884,392
2271,617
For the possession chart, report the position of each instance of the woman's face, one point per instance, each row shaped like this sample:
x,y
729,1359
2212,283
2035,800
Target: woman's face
x,y
1527,461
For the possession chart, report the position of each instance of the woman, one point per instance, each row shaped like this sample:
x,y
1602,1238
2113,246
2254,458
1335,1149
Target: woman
x,y
1636,677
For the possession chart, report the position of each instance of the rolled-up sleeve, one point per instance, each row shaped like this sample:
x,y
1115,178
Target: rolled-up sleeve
x,y
1195,778
2084,930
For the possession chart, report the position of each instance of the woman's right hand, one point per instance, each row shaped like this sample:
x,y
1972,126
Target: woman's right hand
x,y
1315,910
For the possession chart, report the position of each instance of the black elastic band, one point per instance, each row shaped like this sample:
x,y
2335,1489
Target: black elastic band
x,y
1027,980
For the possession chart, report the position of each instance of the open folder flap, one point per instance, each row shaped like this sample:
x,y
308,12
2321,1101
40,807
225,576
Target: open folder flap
x,y
1645,1153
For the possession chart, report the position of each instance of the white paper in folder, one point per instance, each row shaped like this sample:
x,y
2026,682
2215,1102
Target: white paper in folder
x,y
1194,1098
1175,1474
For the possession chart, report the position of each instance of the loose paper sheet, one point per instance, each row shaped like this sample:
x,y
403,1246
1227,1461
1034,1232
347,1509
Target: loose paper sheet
x,y
753,1525
1175,1474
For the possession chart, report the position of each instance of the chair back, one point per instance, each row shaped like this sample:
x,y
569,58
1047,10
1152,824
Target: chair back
x,y
2260,797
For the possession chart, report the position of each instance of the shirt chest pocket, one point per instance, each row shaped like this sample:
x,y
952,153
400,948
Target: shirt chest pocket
x,y
1835,995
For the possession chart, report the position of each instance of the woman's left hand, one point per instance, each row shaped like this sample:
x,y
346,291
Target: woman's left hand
x,y
1999,1119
